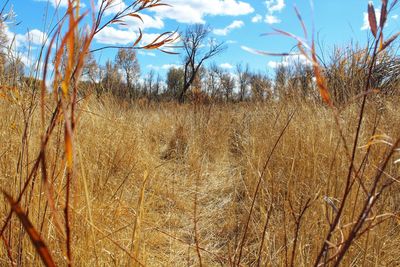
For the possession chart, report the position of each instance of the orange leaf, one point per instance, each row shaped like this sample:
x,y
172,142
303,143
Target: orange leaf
x,y
136,16
383,14
389,41
139,38
321,82
372,19
117,21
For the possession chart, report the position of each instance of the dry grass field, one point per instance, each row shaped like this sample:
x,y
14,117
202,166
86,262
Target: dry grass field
x,y
308,177
171,185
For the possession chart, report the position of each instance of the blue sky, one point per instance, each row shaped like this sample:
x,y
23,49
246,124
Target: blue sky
x,y
237,22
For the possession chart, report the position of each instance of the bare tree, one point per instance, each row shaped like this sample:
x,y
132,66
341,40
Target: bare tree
x,y
260,86
157,87
111,80
281,81
196,53
243,79
212,82
227,84
91,70
128,62
14,70
174,81
149,83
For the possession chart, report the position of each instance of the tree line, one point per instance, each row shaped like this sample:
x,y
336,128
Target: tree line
x,y
193,79
345,70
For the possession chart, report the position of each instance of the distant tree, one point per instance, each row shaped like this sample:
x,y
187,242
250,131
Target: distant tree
x,y
281,80
196,53
213,87
14,70
90,76
198,79
243,78
227,85
302,81
91,70
126,59
111,80
3,47
149,83
175,80
260,86
157,87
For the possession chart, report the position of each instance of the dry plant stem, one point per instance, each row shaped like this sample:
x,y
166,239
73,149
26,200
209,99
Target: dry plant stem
x,y
261,176
285,237
195,220
9,253
107,236
36,239
368,204
269,212
297,220
138,219
35,168
349,176
4,7
220,259
67,219
363,166
33,173
73,71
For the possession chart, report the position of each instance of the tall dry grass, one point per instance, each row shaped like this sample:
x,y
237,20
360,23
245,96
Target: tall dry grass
x,y
100,181
145,175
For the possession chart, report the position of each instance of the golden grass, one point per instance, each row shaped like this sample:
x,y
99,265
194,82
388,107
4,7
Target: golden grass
x,y
140,170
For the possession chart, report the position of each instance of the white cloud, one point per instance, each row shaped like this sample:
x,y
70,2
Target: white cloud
x,y
164,67
270,19
275,5
10,35
273,64
256,19
234,25
395,17
153,67
226,66
365,25
143,53
187,11
134,23
148,38
59,3
115,7
169,66
35,37
112,36
193,11
32,38
289,60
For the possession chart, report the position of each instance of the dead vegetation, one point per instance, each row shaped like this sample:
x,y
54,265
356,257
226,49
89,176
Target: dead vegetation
x,y
187,154
100,181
